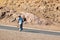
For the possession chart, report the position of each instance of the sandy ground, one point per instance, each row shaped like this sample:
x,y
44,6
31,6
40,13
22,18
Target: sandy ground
x,y
16,35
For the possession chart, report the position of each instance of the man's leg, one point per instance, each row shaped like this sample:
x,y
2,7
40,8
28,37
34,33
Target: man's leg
x,y
21,27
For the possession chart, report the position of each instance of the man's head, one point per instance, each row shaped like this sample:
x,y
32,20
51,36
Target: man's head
x,y
19,16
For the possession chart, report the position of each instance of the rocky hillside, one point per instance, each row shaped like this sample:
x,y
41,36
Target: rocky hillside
x,y
42,12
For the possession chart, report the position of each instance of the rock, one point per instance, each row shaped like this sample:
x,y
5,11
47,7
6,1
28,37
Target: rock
x,y
2,15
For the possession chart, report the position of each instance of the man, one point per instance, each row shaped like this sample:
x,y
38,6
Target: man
x,y
20,20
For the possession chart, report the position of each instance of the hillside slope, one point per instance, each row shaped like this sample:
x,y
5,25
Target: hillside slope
x,y
45,12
